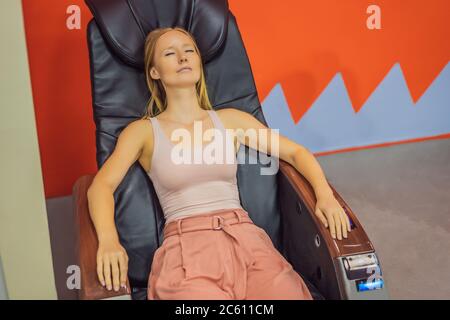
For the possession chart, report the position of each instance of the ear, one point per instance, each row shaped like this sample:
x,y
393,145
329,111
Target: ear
x,y
154,73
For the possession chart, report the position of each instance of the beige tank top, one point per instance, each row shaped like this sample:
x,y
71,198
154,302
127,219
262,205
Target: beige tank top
x,y
190,188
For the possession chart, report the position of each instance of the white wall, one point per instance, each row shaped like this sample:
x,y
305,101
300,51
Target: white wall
x,y
24,236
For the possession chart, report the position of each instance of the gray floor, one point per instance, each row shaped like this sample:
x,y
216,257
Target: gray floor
x,y
401,194
62,236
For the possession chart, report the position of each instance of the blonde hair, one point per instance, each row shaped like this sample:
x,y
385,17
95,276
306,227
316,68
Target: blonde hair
x,y
158,102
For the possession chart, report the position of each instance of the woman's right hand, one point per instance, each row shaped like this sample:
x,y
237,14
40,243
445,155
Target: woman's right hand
x,y
112,265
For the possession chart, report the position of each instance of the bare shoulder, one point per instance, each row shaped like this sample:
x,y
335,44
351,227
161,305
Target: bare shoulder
x,y
143,124
141,131
229,112
138,129
233,117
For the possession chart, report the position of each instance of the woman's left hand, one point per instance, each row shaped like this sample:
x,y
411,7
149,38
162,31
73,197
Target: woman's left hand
x,y
331,214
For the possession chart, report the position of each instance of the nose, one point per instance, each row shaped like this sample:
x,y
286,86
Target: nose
x,y
183,58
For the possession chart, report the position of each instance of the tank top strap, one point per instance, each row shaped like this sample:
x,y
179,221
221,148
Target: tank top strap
x,y
217,122
155,126
158,130
157,133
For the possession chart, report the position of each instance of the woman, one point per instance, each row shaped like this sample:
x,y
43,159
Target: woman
x,y
199,199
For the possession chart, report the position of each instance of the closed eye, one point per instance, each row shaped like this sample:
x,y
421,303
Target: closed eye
x,y
170,53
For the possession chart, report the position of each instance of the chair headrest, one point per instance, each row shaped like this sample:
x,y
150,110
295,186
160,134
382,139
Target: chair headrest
x,y
125,24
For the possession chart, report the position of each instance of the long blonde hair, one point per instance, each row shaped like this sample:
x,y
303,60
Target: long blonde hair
x,y
158,101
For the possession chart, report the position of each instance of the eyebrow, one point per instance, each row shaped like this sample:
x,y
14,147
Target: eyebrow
x,y
171,47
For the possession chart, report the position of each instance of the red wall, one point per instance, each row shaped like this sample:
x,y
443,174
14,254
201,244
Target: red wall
x,y
59,70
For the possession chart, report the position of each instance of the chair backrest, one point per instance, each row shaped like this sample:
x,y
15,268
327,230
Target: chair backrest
x,y
116,37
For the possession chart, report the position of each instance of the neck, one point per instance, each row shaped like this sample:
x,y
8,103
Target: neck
x,y
183,105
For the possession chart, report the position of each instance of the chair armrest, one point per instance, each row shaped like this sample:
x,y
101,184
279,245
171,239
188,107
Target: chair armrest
x,y
357,240
311,250
87,245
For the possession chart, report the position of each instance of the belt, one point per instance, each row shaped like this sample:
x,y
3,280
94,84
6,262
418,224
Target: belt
x,y
210,221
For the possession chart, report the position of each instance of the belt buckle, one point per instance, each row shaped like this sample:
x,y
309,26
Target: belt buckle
x,y
220,224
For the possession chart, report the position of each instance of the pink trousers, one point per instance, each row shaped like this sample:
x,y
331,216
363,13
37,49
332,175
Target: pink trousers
x,y
221,255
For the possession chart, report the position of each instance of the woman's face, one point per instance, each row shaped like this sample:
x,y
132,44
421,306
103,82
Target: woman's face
x,y
174,50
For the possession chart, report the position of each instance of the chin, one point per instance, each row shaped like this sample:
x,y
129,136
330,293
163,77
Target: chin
x,y
185,83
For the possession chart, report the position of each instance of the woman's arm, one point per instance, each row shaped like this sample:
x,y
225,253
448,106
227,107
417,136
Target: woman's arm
x,y
328,209
111,255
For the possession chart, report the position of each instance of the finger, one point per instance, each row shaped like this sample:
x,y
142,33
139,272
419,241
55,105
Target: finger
x,y
344,225
347,219
123,270
107,272
332,226
101,278
321,217
337,221
115,273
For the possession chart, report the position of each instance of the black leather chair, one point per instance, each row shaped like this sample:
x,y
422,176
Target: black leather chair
x,y
282,204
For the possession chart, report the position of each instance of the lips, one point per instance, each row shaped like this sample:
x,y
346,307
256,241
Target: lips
x,y
185,68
